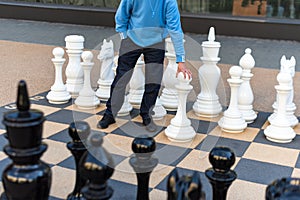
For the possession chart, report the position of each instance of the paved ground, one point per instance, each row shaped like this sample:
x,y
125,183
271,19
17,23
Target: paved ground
x,y
267,53
26,52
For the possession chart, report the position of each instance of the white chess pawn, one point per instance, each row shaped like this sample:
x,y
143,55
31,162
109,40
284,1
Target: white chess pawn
x,y
232,121
106,56
287,66
74,72
137,84
180,128
280,130
58,93
246,98
87,98
207,104
169,96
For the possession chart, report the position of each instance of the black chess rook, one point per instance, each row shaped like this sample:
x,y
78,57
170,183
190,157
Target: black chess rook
x,y
79,132
27,177
143,162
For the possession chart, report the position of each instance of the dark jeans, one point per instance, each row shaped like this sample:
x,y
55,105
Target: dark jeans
x,y
128,56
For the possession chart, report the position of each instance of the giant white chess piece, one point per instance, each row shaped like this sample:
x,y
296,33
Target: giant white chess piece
x,y
87,98
287,66
180,128
169,96
126,107
207,103
159,110
74,72
280,130
137,84
232,121
58,93
246,98
106,56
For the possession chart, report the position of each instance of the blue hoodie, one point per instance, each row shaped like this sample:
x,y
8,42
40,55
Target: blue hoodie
x,y
147,22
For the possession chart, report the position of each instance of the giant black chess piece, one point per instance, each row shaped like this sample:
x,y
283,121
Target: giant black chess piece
x,y
284,189
78,131
186,187
27,177
97,166
143,164
220,175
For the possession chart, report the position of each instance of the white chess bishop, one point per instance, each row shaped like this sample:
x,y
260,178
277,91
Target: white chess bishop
x,y
169,96
207,103
58,93
74,72
180,128
106,56
87,98
232,121
159,110
136,84
126,107
279,129
287,66
246,97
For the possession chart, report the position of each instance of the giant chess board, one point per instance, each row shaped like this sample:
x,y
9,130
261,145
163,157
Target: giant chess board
x,y
258,161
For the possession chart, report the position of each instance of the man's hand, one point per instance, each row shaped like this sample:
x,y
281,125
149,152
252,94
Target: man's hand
x,y
182,68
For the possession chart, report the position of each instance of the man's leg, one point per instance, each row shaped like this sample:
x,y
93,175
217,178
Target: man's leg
x,y
154,58
128,56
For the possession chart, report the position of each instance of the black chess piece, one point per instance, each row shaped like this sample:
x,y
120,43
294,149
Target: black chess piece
x,y
97,166
220,175
143,163
27,177
284,189
187,187
78,131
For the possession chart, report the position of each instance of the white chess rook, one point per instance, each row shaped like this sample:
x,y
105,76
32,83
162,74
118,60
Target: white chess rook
x,y
137,85
169,96
207,103
106,56
87,98
280,130
74,72
58,93
246,98
232,121
180,128
287,66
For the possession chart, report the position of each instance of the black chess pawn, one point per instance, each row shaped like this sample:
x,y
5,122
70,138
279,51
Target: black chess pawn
x,y
284,189
27,177
143,164
78,131
187,187
97,166
220,175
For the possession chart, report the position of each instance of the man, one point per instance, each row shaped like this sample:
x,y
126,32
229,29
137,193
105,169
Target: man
x,y
143,26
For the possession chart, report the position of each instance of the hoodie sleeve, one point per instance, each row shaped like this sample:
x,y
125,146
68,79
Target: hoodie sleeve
x,y
122,17
174,29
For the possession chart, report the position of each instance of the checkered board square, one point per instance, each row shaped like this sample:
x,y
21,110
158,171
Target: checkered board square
x,y
258,161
